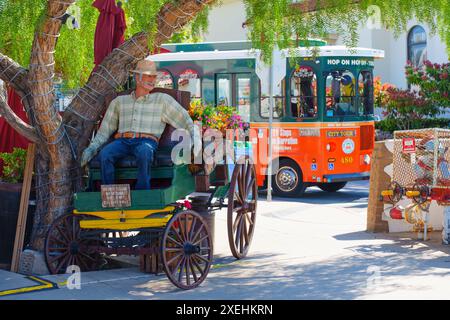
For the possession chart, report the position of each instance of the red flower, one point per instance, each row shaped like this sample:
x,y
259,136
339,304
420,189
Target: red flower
x,y
428,64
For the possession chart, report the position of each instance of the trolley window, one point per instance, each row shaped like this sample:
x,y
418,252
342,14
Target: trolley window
x,y
164,80
278,104
304,93
224,90
365,100
243,96
340,91
190,81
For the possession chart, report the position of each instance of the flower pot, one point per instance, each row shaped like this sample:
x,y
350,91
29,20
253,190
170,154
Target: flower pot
x,y
9,211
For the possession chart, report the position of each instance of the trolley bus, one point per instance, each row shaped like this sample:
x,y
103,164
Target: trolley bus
x,y
323,122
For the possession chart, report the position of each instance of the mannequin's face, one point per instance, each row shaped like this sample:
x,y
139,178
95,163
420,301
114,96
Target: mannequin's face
x,y
146,82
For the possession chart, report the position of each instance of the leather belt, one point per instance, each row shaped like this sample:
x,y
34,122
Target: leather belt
x,y
135,135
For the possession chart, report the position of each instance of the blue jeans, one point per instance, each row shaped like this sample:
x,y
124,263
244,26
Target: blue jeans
x,y
143,149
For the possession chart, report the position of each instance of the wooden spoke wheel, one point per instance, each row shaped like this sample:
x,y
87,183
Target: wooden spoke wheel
x,y
64,246
187,250
242,201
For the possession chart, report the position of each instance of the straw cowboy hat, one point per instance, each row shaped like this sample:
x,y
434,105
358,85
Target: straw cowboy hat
x,y
147,67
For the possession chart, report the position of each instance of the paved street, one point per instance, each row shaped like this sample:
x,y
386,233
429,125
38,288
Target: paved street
x,y
309,248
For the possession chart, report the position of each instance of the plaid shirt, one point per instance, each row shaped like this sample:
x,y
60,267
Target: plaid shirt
x,y
147,114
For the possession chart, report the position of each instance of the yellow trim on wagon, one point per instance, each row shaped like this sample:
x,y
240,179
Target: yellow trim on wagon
x,y
412,194
128,224
387,193
129,214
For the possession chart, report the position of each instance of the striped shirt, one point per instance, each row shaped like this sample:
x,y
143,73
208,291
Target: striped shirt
x,y
147,114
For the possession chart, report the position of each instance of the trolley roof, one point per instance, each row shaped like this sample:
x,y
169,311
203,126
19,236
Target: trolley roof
x,y
322,51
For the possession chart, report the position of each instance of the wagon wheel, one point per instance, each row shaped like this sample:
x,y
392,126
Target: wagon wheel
x,y
187,250
242,202
64,246
424,194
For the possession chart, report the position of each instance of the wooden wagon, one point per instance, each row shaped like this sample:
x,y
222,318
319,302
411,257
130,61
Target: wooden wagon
x,y
169,232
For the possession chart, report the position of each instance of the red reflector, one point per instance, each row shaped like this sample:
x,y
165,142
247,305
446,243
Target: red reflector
x,y
367,137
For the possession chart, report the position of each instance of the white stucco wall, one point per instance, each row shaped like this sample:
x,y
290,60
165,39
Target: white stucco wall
x,y
225,22
392,68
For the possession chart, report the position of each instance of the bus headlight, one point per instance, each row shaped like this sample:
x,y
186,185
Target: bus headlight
x,y
367,159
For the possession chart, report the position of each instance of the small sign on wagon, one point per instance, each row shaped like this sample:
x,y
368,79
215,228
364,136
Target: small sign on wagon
x,y
409,145
116,196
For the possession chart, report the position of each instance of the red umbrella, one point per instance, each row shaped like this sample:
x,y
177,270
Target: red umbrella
x,y
9,138
104,32
119,27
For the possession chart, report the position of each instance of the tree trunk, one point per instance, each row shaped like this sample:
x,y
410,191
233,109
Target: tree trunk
x,y
54,153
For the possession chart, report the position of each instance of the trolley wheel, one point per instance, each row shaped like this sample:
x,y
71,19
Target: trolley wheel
x,y
288,180
242,203
64,246
187,250
332,187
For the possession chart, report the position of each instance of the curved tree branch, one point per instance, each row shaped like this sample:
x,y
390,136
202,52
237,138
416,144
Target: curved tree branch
x,y
13,73
48,122
14,121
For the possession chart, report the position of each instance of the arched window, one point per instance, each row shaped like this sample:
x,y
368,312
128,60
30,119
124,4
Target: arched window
x,y
164,80
190,80
341,94
417,46
365,85
304,93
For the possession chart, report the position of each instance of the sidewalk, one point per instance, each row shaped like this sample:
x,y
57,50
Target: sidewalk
x,y
310,248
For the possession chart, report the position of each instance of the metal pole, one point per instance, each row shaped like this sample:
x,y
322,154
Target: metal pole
x,y
271,102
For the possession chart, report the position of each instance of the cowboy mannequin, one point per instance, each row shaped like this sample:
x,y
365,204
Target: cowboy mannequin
x,y
139,119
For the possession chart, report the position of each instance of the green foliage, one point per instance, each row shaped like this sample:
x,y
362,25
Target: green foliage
x,y
18,19
433,81
392,124
192,33
272,23
13,165
75,49
417,108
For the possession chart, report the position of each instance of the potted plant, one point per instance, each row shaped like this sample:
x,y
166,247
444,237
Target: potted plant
x,y
223,119
11,179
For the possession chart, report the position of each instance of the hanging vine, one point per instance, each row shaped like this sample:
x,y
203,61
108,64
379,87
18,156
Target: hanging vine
x,y
274,23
